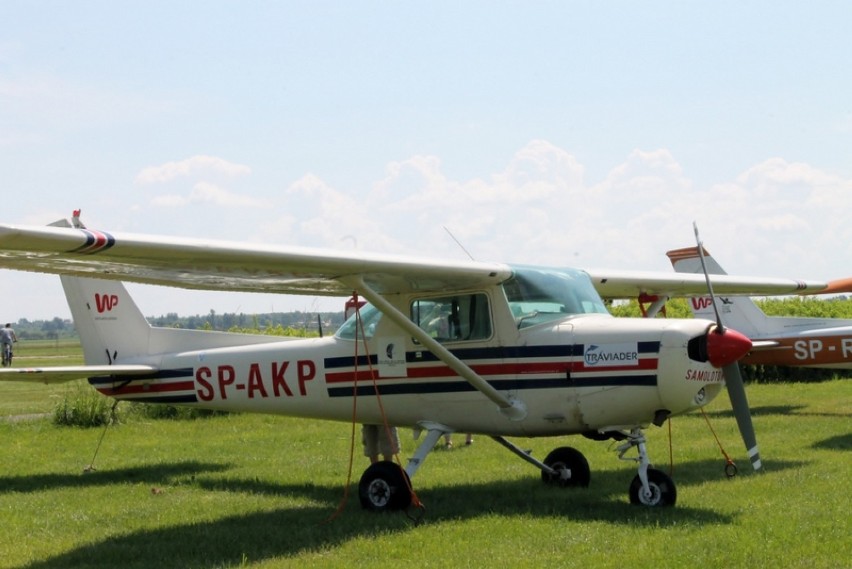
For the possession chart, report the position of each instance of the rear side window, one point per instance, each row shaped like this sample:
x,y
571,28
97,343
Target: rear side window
x,y
457,318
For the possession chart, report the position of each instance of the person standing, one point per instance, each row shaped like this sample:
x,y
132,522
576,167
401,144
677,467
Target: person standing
x,y
7,338
448,440
379,440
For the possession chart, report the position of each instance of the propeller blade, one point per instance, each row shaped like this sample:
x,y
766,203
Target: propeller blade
x,y
720,328
739,403
724,351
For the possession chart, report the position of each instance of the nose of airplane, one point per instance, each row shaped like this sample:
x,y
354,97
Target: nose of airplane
x,y
726,347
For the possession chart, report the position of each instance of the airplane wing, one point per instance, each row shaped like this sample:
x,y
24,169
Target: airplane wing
x,y
632,284
224,265
60,374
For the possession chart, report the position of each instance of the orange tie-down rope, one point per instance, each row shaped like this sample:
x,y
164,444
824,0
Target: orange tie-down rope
x,y
730,465
359,332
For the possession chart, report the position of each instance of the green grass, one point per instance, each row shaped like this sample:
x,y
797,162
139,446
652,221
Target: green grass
x,y
257,491
36,398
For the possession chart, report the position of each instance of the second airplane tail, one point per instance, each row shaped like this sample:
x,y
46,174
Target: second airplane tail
x,y
738,312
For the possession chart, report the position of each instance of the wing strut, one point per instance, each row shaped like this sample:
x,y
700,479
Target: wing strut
x,y
514,409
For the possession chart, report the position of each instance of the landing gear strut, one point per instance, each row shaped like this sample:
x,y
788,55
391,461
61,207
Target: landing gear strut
x,y
564,466
650,487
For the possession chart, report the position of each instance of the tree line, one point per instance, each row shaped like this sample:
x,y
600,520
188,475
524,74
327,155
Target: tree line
x,y
278,323
299,323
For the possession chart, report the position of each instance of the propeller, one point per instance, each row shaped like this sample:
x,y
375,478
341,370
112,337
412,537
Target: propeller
x,y
724,349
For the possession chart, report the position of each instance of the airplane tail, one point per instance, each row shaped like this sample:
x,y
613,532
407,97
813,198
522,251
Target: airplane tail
x,y
738,312
112,328
109,323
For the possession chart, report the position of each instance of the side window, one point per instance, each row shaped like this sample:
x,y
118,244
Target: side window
x,y
456,318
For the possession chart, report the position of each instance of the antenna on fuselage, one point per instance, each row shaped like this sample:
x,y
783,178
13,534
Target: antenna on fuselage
x,y
466,252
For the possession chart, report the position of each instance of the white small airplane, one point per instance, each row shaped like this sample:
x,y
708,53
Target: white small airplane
x,y
442,346
787,341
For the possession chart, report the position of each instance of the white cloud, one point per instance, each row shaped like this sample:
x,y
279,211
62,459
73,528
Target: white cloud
x,y
206,193
782,222
196,166
776,175
777,218
645,177
541,168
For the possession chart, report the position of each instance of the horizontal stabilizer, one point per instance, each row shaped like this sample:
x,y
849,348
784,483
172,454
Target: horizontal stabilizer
x,y
60,374
839,286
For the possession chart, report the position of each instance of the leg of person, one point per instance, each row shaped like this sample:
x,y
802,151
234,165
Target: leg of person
x,y
370,440
388,441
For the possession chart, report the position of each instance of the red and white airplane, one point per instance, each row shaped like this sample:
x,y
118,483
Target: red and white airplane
x,y
442,346
787,341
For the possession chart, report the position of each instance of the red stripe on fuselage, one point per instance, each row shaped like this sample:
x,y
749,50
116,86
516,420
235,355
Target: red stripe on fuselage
x,y
147,388
419,371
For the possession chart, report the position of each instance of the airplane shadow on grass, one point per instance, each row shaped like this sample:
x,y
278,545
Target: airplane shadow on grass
x,y
761,410
148,474
765,410
840,442
287,532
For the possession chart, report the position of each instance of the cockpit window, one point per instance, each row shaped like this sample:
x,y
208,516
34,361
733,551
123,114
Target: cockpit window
x,y
457,318
537,295
370,316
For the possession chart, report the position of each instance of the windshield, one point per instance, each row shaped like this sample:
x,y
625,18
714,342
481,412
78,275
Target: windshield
x,y
370,317
538,295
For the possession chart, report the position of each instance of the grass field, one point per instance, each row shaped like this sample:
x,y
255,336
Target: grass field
x,y
258,491
32,398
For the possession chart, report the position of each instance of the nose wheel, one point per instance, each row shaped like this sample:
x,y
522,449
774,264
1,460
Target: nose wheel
x,y
650,487
660,492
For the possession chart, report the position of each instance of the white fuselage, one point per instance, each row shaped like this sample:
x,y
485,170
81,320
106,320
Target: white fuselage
x,y
577,374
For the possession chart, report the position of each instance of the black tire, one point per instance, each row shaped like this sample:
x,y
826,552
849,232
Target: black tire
x,y
663,491
384,486
567,459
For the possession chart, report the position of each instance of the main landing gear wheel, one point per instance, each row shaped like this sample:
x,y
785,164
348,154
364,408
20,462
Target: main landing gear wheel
x,y
572,468
663,492
384,486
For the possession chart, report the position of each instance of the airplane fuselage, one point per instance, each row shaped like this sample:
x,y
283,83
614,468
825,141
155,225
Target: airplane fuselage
x,y
823,348
576,374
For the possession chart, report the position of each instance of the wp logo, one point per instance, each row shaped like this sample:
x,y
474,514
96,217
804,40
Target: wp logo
x,y
105,302
702,303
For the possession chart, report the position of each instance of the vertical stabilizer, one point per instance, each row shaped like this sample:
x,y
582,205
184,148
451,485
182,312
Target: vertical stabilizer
x,y
738,312
109,323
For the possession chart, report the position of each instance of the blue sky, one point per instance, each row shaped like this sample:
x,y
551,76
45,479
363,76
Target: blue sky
x,y
563,133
